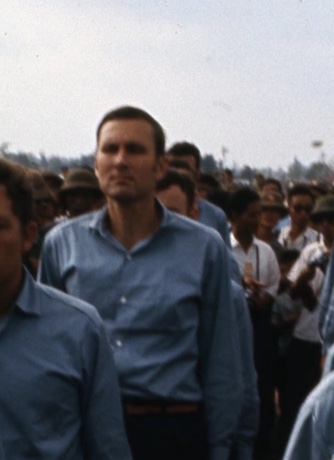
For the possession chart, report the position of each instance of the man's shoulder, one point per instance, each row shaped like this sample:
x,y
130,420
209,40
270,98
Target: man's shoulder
x,y
207,208
264,247
310,232
191,228
77,226
312,249
321,404
80,222
54,302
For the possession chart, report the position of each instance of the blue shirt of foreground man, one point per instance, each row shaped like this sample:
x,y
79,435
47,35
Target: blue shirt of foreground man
x,y
312,437
162,284
59,395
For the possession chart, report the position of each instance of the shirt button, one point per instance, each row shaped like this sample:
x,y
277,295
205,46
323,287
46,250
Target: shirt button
x,y
128,257
123,299
119,343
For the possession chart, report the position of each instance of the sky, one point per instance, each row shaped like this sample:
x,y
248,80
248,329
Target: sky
x,y
255,77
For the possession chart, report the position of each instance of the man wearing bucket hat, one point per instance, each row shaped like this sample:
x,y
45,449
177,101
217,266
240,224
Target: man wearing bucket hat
x,y
80,193
272,210
307,278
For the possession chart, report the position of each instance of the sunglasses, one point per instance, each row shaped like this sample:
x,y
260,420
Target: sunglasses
x,y
299,208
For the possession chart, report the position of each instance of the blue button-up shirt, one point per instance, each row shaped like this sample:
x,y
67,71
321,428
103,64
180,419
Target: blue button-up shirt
x,y
168,308
312,437
326,306
249,417
214,217
59,396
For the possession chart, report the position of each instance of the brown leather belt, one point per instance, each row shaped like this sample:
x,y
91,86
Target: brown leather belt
x,y
161,408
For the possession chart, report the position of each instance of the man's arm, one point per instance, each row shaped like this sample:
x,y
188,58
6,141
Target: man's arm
x,y
326,306
103,434
220,361
249,418
312,435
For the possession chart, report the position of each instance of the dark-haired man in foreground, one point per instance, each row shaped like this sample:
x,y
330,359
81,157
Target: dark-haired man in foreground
x,y
162,285
59,395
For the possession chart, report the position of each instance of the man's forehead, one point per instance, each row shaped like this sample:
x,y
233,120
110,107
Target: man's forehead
x,y
301,197
127,128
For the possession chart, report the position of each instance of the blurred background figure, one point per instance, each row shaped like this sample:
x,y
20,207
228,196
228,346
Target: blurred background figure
x,y
272,210
299,233
207,184
228,181
80,193
45,215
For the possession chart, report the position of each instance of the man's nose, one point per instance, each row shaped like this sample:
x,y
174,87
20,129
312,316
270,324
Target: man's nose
x,y
121,156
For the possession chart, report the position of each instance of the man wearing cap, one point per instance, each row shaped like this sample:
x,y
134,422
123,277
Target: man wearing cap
x,y
272,210
80,193
307,278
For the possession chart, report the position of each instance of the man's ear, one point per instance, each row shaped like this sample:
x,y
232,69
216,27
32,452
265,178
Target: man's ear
x,y
96,169
161,167
29,233
194,212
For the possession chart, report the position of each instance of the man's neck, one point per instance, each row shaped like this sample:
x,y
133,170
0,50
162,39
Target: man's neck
x,y
264,233
133,222
296,231
244,239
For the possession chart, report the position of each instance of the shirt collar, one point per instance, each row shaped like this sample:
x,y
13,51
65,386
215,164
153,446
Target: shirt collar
x,y
27,300
235,243
99,219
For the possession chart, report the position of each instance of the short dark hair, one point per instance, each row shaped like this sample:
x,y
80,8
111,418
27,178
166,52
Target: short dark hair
x,y
184,182
240,199
219,198
210,180
19,190
300,189
179,164
134,113
272,180
229,172
182,149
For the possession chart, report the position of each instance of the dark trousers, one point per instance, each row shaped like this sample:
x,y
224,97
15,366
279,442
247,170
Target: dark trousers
x,y
303,374
167,436
265,351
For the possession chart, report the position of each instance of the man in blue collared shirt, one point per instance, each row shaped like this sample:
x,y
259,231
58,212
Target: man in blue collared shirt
x,y
59,395
208,213
162,284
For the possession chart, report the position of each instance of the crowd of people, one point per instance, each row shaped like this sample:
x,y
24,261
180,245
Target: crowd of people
x,y
151,311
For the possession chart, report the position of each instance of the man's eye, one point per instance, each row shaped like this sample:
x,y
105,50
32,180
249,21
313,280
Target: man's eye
x,y
110,148
135,148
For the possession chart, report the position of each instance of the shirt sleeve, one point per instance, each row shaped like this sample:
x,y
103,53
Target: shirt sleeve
x,y
249,417
48,272
103,434
326,307
220,361
306,441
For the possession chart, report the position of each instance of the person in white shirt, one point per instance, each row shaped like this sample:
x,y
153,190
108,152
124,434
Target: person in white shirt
x,y
260,272
307,277
299,234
